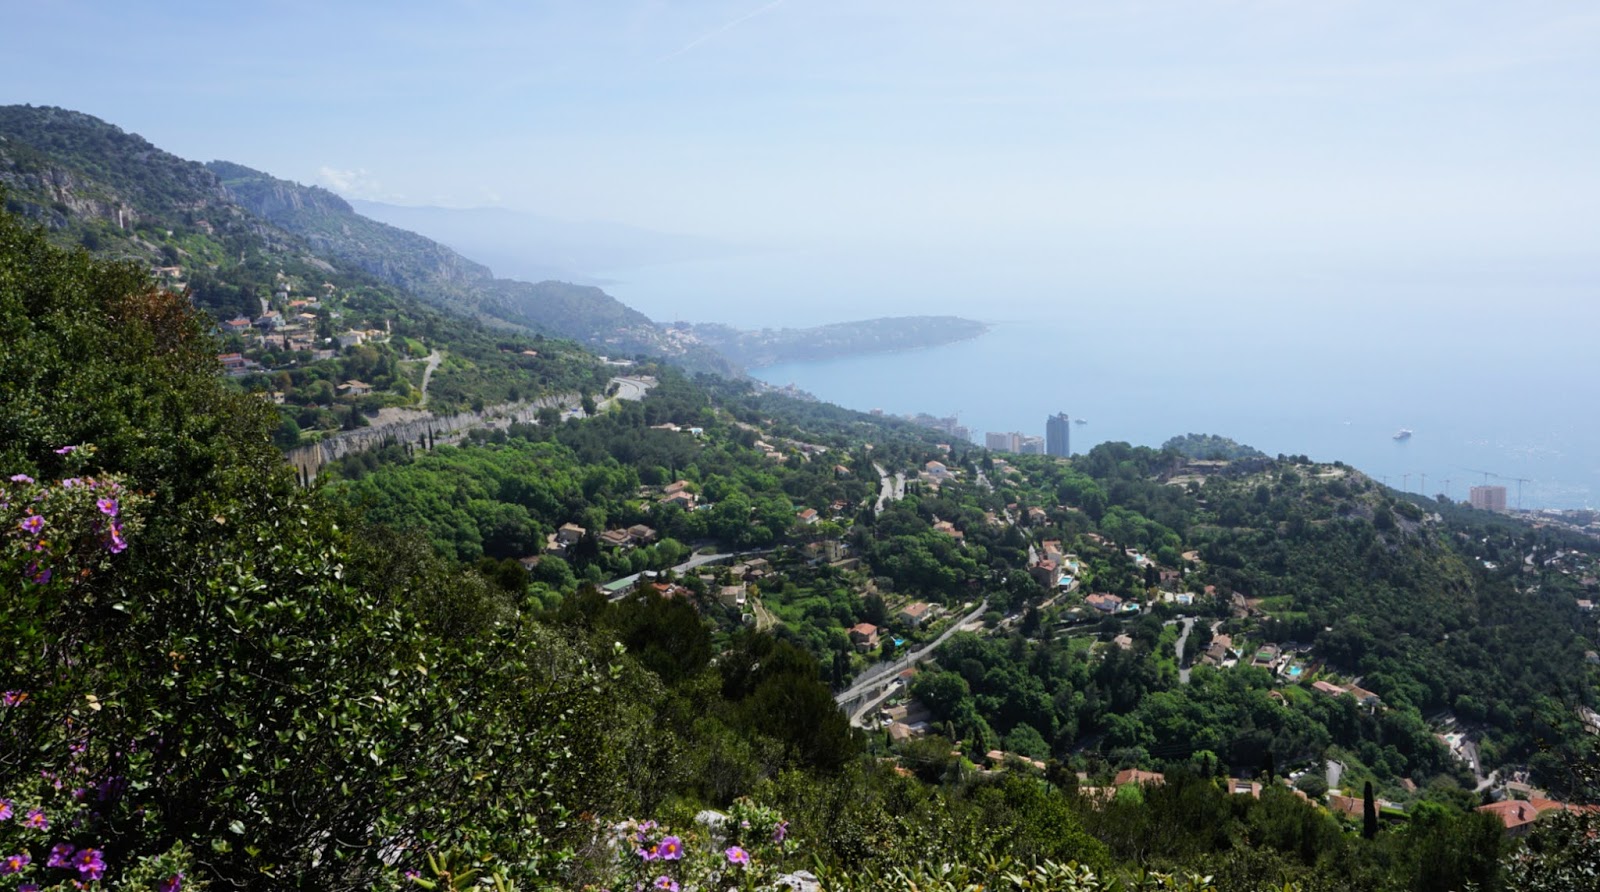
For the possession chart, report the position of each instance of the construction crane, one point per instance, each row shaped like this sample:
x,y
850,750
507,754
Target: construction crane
x,y
1520,481
1488,474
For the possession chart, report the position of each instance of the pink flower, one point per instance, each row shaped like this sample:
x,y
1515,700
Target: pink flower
x,y
780,831
21,478
737,855
89,863
11,698
671,848
5,804
31,524
665,883
66,450
14,863
174,883
60,855
36,820
108,507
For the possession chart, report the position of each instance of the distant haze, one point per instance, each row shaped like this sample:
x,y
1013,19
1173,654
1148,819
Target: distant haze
x,y
518,245
1400,201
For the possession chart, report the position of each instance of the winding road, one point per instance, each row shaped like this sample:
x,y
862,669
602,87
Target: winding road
x,y
1183,671
431,362
882,675
893,488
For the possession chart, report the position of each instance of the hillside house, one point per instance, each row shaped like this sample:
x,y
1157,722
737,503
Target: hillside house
x,y
1105,603
641,534
913,615
1045,572
570,533
681,498
732,596
864,636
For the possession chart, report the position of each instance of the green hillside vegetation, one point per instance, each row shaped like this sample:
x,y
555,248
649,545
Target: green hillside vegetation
x,y
219,674
230,229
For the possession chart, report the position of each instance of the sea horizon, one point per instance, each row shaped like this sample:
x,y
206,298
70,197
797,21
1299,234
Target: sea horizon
x,y
1141,366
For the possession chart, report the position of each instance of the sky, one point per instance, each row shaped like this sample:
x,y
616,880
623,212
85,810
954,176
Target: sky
x,y
1141,130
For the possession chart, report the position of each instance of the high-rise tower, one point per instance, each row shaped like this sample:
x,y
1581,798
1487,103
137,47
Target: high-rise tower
x,y
1058,435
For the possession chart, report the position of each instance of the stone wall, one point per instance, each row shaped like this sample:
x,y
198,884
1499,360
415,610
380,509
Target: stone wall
x,y
308,460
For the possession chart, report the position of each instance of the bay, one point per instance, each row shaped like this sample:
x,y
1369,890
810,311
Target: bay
x,y
1493,371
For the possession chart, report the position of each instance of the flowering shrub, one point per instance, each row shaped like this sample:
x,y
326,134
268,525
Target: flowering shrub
x,y
63,532
745,850
50,825
55,537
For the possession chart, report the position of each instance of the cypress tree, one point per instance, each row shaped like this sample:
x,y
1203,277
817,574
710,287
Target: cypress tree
x,y
1369,813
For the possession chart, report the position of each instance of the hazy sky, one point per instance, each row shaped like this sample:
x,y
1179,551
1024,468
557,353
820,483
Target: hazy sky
x,y
1454,127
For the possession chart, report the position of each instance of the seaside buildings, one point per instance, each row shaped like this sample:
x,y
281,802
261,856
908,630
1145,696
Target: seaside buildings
x,y
1058,435
1488,498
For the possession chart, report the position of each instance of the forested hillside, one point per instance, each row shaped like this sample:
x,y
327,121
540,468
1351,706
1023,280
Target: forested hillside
x,y
903,663
220,229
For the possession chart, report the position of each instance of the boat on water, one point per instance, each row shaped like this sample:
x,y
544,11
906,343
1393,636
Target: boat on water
x,y
1403,433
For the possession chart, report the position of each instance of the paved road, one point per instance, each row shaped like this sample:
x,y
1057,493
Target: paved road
x,y
433,359
892,488
694,561
627,389
1183,671
883,674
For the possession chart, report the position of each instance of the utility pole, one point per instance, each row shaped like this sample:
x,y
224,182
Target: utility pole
x,y
1423,486
1405,482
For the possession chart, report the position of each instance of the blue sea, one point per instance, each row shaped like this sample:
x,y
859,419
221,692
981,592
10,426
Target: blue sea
x,y
1491,365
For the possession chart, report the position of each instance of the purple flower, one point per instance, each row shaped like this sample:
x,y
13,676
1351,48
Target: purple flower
x,y
649,853
174,883
66,450
14,863
36,820
28,887
21,478
41,577
71,482
665,882
60,855
780,831
737,855
89,863
410,875
116,544
31,524
11,698
108,507
671,848
5,804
